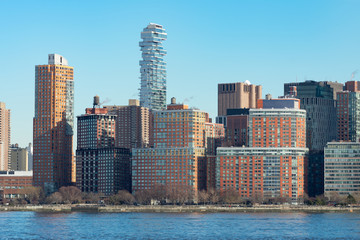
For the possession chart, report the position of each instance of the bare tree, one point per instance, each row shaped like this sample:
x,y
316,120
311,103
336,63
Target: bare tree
x,y
34,195
203,196
70,194
356,195
180,194
91,197
257,197
55,198
159,192
142,196
122,197
214,196
230,196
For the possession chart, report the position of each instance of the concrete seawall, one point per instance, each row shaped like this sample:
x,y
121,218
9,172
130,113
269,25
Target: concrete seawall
x,y
179,209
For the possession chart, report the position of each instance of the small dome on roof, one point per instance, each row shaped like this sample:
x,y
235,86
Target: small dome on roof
x,y
247,82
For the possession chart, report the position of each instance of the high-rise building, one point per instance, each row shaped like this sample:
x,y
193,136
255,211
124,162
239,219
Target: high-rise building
x,y
5,156
237,122
273,165
277,126
342,168
133,127
29,149
100,166
319,101
153,68
237,95
214,138
348,113
179,154
19,158
352,86
53,124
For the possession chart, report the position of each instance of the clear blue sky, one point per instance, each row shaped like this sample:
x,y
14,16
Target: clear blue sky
x,y
209,42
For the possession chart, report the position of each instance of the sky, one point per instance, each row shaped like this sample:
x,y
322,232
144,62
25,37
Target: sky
x,y
209,42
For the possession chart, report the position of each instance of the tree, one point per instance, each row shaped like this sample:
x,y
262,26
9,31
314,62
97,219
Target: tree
x,y
70,194
214,196
335,198
180,194
230,196
55,198
34,195
142,197
91,197
320,200
350,199
257,197
122,197
356,195
203,196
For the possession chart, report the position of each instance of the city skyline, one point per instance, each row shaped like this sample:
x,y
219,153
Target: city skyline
x,y
205,47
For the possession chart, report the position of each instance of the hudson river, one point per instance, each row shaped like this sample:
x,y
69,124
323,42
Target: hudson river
x,y
34,225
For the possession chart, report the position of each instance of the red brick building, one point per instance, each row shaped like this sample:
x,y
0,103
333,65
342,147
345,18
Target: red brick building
x,y
273,164
181,136
12,183
53,124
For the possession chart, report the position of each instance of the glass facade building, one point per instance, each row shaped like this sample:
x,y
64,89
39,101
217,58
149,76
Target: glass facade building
x,y
153,68
342,168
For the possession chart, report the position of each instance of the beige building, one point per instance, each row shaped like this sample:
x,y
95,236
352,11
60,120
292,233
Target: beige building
x,y
132,125
237,95
19,158
4,137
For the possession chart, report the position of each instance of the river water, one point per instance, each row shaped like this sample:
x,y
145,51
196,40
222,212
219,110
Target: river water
x,y
32,225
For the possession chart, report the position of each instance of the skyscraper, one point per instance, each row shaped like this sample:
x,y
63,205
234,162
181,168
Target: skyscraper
x,y
4,137
153,68
319,101
53,123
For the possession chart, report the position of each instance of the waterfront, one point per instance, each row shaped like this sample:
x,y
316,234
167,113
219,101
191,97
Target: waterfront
x,y
77,225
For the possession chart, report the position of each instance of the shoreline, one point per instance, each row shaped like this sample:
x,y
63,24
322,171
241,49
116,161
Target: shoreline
x,y
181,209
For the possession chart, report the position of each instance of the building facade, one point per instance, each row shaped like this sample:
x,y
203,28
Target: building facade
x,y
5,156
342,168
273,164
153,68
348,113
264,173
179,154
237,128
100,166
319,101
133,127
237,95
53,124
13,183
19,158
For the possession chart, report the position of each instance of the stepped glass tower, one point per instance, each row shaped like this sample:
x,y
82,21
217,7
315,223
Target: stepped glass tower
x,y
153,68
53,124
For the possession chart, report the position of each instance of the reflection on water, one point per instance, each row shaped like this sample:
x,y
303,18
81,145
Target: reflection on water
x,y
31,225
